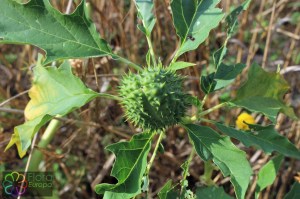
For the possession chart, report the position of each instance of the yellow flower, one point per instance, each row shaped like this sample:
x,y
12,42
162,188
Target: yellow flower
x,y
244,117
297,177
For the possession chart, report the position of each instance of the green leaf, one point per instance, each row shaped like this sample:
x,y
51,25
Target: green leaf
x,y
168,191
231,23
231,160
23,134
263,93
266,138
61,36
193,21
145,183
232,18
129,167
212,192
294,193
180,65
225,75
267,174
55,91
207,83
145,13
219,55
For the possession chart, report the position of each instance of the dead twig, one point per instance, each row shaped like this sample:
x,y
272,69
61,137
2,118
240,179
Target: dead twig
x,y
267,46
107,165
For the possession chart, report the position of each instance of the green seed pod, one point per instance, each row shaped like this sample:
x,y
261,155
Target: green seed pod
x,y
153,99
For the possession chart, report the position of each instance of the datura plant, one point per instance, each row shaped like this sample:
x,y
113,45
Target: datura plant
x,y
153,97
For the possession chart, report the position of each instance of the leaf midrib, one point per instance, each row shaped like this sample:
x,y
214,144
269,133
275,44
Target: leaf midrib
x,y
188,27
56,102
267,141
135,163
55,36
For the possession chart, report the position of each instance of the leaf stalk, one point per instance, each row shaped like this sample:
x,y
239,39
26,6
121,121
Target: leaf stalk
x,y
161,134
151,50
212,109
186,171
126,61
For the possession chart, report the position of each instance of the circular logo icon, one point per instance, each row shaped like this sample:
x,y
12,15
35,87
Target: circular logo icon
x,y
14,184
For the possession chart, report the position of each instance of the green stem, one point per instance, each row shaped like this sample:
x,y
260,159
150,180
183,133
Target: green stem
x,y
174,58
185,174
212,109
109,96
151,50
208,171
208,121
48,135
126,61
203,101
161,134
176,54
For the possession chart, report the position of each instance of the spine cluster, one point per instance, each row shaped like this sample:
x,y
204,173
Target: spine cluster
x,y
153,99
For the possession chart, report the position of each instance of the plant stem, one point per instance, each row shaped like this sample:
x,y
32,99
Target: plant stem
x,y
208,170
208,121
212,109
161,134
185,174
174,58
203,101
48,135
151,50
109,96
126,61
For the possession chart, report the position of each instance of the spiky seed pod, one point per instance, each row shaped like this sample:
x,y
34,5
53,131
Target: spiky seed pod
x,y
153,99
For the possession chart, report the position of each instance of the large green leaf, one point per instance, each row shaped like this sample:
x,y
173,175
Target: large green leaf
x,y
129,167
266,138
145,13
263,93
267,174
231,160
54,91
168,191
193,21
212,193
61,36
294,193
224,76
